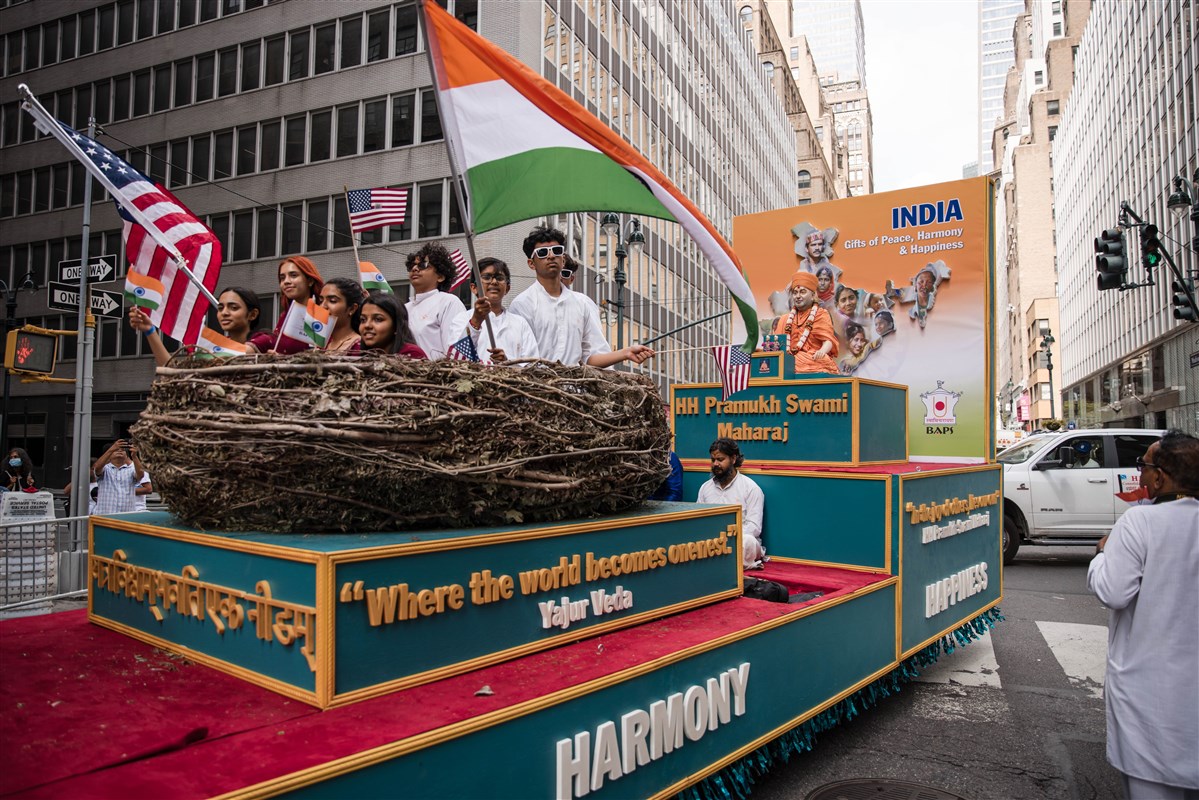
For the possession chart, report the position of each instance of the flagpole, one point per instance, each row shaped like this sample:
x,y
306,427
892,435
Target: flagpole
x,y
52,127
81,442
353,236
685,327
459,184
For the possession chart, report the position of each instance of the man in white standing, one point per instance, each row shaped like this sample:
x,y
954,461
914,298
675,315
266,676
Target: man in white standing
x,y
117,471
566,328
1147,572
728,486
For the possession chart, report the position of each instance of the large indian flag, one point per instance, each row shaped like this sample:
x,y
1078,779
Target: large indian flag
x,y
528,150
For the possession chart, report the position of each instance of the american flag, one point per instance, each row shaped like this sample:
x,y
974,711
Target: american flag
x,y
182,313
462,267
733,363
374,208
463,350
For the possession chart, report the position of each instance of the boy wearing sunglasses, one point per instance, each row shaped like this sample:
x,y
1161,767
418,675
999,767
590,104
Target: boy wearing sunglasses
x,y
567,329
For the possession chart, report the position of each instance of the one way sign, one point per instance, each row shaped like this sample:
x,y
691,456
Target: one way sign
x,y
65,297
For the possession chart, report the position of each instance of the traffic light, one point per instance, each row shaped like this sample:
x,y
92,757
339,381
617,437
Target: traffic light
x,y
1109,259
31,352
1151,248
1184,309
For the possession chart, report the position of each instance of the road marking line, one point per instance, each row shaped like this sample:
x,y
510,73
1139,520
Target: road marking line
x,y
1081,650
973,665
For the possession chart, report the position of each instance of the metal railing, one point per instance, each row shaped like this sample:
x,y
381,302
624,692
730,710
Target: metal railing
x,y
40,563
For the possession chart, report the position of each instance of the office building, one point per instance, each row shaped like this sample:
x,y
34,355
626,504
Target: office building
x,y
256,115
1130,127
996,54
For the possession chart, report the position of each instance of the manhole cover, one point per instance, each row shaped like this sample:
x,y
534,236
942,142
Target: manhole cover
x,y
875,789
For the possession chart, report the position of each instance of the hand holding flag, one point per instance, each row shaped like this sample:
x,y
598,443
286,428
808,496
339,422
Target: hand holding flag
x,y
143,291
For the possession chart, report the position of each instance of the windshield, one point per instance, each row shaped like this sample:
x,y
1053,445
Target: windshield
x,y
1018,454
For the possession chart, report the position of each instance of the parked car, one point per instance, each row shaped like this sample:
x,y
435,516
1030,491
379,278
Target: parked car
x,y
1060,488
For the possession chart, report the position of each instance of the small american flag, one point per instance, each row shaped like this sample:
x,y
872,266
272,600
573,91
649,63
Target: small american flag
x,y
374,208
733,363
463,350
462,269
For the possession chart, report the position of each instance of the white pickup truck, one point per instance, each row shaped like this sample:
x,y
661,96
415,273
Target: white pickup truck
x,y
1060,488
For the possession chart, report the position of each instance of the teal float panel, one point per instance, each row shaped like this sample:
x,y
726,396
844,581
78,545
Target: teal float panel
x,y
883,424
950,525
794,670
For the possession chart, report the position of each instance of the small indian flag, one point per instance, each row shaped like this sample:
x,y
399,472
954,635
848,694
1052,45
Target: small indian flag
x,y
219,344
317,323
293,323
372,279
143,291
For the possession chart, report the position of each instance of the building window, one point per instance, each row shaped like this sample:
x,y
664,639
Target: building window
x,y
795,54
805,179
1057,29
768,68
351,42
1052,132
430,123
747,15
1052,107
1038,77
406,30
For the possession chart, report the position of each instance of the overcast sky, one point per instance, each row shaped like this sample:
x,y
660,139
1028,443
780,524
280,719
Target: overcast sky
x,y
922,74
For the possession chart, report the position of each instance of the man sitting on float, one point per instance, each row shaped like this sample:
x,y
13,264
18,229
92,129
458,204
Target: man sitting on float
x,y
809,330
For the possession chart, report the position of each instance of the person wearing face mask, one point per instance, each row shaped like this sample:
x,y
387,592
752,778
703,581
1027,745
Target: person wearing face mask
x,y
18,471
432,309
299,281
513,337
238,313
1145,572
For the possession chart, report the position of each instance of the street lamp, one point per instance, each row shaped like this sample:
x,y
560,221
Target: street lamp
x,y
1181,201
10,322
625,244
1046,342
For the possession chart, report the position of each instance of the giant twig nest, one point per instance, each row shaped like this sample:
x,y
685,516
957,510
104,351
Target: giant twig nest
x,y
322,443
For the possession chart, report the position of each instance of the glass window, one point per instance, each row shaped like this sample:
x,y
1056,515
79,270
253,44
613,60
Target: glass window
x,y
50,43
78,183
145,19
12,62
178,163
270,146
243,235
126,18
205,76
291,229
805,179
208,10
320,138
294,146
108,336
378,35
201,158
87,33
326,44
166,16
347,131
251,66
467,12
24,192
268,226
1052,106
11,123
298,67
406,31
227,76
41,197
141,93
222,159
402,119
429,220
351,42
162,88
158,163
275,51
318,225
455,218
187,13
247,150
374,126
183,83
399,232
231,7
60,191
341,226
121,92
83,106
220,226
430,124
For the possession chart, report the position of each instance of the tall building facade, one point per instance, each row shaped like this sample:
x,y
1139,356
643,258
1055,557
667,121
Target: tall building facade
x,y
257,114
836,34
996,54
1131,126
1036,92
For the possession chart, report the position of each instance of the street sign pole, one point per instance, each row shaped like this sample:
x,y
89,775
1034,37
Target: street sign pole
x,y
81,464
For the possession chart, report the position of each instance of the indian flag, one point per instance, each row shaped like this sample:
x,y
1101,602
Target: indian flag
x,y
529,150
143,291
317,323
219,344
372,279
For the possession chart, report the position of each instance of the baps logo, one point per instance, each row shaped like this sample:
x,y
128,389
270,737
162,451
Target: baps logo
x,y
939,405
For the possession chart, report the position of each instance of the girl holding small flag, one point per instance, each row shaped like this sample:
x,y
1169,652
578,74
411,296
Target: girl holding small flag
x,y
383,327
342,298
238,312
299,281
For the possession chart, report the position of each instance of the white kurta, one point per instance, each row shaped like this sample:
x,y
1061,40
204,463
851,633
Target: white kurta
x,y
431,318
1148,575
566,328
512,335
744,492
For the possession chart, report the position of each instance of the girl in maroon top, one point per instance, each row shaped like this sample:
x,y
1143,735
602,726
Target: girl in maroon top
x,y
299,280
383,327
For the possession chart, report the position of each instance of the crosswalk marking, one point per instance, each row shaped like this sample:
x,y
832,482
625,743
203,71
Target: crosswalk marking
x,y
974,665
1082,652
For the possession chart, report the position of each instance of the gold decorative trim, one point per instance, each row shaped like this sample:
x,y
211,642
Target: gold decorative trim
x,y
213,540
